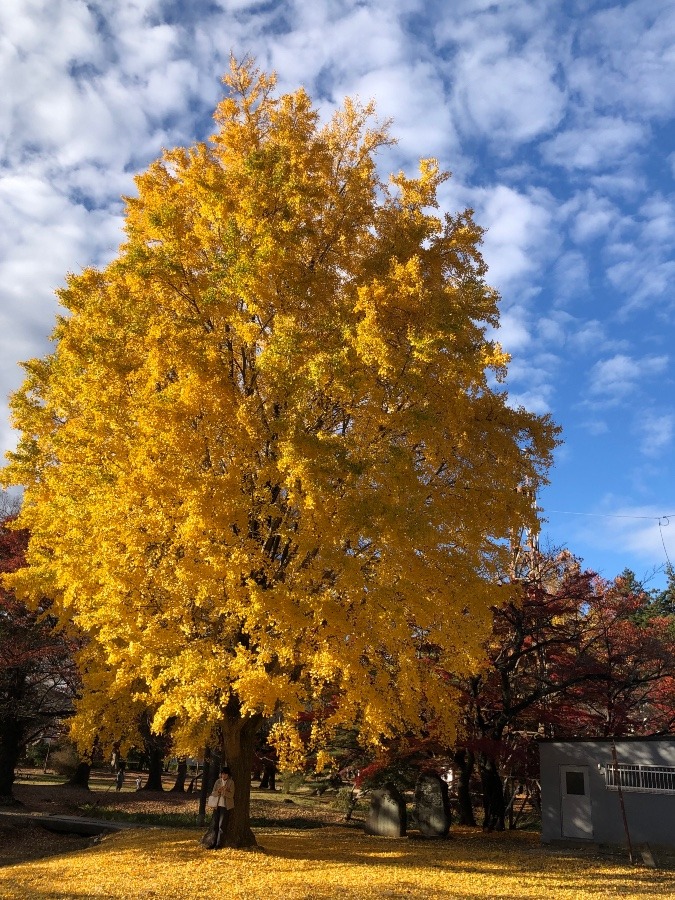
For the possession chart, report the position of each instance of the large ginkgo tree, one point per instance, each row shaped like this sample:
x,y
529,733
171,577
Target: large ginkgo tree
x,y
269,467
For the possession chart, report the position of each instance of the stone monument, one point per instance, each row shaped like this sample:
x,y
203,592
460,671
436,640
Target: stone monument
x,y
432,806
386,816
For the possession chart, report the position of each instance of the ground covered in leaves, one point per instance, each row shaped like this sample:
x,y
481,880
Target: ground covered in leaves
x,y
306,853
104,802
22,843
327,863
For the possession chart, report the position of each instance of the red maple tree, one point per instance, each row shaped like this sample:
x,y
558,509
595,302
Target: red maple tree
x,y
38,676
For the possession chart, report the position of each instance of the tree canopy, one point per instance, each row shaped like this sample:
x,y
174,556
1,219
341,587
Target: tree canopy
x,y
269,455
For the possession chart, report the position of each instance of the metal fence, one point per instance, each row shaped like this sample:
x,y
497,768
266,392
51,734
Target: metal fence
x,y
648,779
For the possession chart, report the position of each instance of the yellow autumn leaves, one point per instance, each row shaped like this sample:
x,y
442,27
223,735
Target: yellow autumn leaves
x,y
264,465
331,862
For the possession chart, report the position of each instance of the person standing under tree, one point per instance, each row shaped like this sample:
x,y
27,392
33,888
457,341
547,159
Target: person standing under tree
x,y
119,778
222,800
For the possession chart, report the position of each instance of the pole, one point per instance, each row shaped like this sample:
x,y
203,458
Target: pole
x,y
617,778
204,787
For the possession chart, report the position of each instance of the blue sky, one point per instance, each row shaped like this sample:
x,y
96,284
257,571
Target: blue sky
x,y
557,120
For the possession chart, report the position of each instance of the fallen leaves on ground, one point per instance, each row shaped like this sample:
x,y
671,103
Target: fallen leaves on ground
x,y
327,863
25,842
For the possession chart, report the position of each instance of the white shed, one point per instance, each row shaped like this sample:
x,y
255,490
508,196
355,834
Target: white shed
x,y
582,789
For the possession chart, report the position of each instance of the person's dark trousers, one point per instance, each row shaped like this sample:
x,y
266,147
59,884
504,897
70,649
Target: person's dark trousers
x,y
221,817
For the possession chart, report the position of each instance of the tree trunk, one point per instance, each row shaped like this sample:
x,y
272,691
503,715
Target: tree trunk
x,y
206,784
156,747
81,777
465,760
181,775
493,794
11,735
268,781
155,761
238,747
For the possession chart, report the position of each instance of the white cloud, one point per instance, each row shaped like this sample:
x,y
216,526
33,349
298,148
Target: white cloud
x,y
627,59
590,336
337,44
641,264
239,5
503,65
571,276
658,216
407,93
596,217
575,335
595,426
513,332
630,531
624,185
605,142
614,378
503,93
656,432
536,401
553,329
519,231
531,376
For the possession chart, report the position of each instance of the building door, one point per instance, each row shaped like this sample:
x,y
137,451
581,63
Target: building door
x,y
575,802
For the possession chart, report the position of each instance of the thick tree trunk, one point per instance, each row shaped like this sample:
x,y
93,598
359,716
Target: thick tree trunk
x,y
11,745
465,760
181,775
156,747
238,748
155,762
493,794
81,777
239,735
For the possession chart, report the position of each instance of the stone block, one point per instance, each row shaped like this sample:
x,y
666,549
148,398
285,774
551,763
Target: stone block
x,y
386,816
432,806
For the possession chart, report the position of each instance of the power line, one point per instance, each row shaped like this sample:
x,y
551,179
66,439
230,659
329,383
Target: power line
x,y
662,521
566,512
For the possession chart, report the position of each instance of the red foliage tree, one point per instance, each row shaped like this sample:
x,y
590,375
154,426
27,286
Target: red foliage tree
x,y
574,655
38,677
627,663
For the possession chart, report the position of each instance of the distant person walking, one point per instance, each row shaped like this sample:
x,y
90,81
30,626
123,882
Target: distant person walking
x,y
119,778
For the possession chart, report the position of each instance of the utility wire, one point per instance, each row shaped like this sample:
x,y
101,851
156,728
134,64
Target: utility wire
x,y
662,521
567,512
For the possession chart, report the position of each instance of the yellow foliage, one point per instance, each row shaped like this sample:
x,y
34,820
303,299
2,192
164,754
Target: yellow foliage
x,y
264,466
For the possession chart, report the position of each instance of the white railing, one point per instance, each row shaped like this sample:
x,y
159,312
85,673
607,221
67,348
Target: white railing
x,y
648,779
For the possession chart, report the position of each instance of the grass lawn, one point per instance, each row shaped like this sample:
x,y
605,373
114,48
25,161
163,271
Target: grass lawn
x,y
332,862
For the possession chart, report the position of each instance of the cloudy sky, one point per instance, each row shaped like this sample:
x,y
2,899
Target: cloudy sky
x,y
556,118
